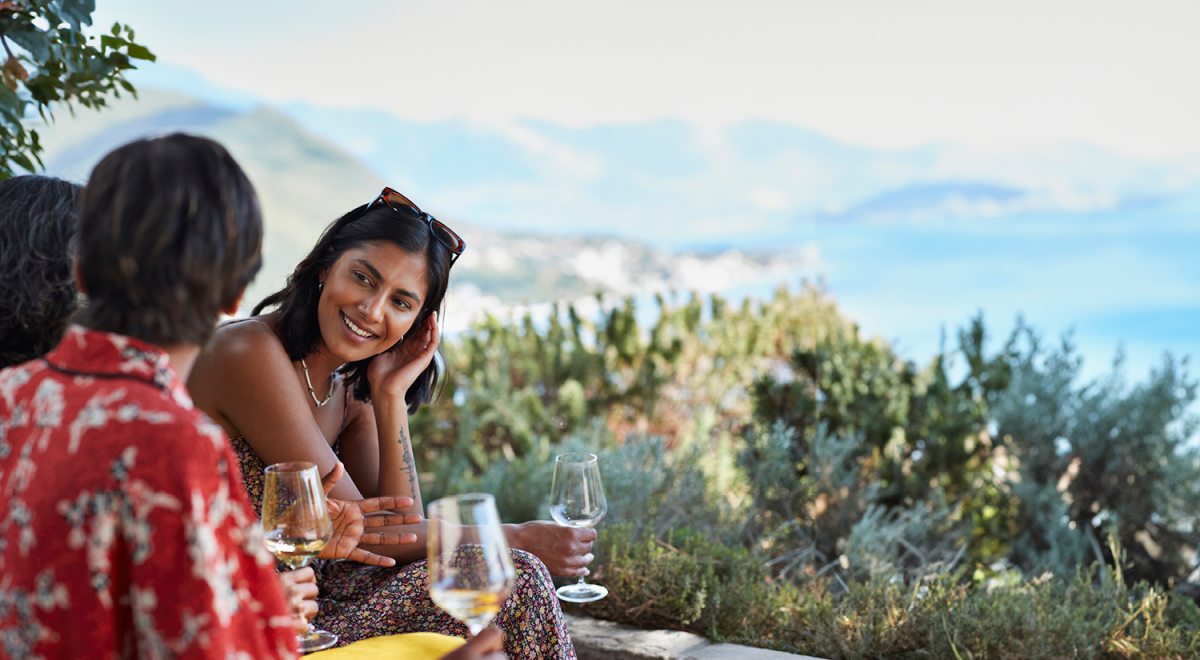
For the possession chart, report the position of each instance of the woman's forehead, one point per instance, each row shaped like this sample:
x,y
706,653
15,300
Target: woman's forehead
x,y
390,260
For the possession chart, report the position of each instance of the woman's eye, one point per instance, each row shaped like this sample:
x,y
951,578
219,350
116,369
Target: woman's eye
x,y
400,303
361,277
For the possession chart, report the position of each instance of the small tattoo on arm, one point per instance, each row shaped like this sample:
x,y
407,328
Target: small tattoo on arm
x,y
408,464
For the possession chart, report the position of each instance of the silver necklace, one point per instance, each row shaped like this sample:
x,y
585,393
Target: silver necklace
x,y
313,394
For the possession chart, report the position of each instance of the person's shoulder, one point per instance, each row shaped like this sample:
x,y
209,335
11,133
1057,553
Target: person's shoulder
x,y
240,359
18,374
244,337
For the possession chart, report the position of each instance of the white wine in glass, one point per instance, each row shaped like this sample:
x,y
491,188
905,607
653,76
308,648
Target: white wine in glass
x,y
577,500
296,527
470,566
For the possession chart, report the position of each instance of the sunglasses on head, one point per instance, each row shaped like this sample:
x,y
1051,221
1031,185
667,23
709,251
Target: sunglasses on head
x,y
401,204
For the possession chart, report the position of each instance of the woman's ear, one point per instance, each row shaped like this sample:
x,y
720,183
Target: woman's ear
x,y
78,277
232,309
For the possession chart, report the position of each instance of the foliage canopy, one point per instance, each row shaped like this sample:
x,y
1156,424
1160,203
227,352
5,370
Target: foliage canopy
x,y
49,59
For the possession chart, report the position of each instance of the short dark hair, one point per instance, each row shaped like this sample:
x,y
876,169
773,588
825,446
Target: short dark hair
x,y
37,222
297,301
170,234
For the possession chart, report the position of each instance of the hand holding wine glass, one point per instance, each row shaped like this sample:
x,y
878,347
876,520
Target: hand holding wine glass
x,y
577,500
296,527
470,564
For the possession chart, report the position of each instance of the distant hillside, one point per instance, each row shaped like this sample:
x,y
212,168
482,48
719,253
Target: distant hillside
x,y
756,184
304,182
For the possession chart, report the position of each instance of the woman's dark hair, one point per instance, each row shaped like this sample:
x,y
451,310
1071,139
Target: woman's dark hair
x,y
170,234
297,301
37,222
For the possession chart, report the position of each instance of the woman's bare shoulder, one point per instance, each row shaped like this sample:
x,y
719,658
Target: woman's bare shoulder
x,y
242,349
241,338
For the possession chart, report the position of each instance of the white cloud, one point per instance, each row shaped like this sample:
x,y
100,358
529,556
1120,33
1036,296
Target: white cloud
x,y
998,76
769,199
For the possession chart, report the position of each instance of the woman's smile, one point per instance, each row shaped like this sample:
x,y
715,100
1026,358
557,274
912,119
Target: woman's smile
x,y
356,330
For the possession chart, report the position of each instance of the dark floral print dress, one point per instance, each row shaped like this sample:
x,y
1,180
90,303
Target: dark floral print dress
x,y
358,601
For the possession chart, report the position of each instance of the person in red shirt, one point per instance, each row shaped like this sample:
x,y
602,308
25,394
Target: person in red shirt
x,y
125,532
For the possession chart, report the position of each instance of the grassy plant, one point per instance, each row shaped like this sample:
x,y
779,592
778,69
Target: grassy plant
x,y
688,582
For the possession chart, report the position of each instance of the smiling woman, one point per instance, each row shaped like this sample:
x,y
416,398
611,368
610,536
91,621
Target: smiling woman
x,y
331,374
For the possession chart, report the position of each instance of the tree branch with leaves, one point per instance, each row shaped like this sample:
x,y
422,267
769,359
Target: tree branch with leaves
x,y
50,60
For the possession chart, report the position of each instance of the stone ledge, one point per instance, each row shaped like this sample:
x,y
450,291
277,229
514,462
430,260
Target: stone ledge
x,y
604,640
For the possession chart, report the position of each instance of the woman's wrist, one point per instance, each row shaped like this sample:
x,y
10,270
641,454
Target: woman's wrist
x,y
513,532
386,396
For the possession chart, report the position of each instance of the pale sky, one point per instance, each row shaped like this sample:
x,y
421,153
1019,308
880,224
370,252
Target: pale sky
x,y
993,76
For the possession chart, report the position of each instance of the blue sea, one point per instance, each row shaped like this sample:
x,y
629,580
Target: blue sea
x,y
1120,282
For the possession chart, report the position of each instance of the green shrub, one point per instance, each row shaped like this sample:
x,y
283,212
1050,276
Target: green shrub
x,y
1101,459
773,478
688,582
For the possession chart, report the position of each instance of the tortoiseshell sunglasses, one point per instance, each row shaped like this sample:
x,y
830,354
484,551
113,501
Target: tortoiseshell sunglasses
x,y
401,204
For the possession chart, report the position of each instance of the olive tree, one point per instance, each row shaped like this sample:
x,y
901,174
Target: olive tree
x,y
49,59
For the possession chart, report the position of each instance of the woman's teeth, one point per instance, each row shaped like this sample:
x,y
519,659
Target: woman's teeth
x,y
355,329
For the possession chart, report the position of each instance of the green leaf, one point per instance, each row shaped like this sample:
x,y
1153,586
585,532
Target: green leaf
x,y
11,105
139,52
116,29
78,12
23,160
33,40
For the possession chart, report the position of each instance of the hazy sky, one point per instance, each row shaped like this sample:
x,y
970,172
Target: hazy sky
x,y
994,76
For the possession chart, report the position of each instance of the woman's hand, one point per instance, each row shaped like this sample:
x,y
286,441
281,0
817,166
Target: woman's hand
x,y
350,521
300,592
566,551
392,372
487,645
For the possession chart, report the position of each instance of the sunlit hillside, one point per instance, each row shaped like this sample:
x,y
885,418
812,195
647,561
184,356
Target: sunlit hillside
x,y
304,182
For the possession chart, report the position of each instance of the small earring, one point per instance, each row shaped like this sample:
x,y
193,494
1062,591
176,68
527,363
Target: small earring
x,y
320,286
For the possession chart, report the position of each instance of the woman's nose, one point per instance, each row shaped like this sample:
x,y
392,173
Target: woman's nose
x,y
373,307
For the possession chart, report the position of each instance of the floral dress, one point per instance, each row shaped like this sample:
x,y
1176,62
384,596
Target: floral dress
x,y
359,601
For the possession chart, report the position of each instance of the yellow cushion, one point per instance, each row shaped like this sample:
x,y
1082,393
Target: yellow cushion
x,y
412,646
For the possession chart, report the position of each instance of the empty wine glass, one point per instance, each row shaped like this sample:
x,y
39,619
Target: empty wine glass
x,y
577,500
470,565
296,527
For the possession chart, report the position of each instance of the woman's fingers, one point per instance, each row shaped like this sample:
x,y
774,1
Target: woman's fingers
x,y
303,574
388,538
305,591
364,557
373,504
300,589
392,519
575,566
330,480
308,610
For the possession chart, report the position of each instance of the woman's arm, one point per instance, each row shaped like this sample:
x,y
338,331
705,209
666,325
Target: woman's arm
x,y
385,467
376,446
246,382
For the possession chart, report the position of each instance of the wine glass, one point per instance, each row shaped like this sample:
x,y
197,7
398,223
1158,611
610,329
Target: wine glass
x,y
470,565
577,500
296,527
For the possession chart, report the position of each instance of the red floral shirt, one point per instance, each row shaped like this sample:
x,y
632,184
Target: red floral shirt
x,y
125,530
